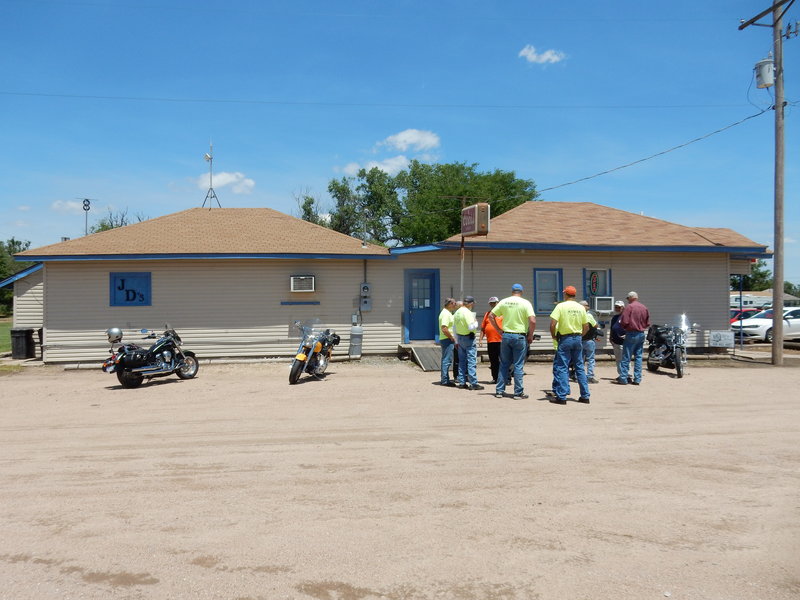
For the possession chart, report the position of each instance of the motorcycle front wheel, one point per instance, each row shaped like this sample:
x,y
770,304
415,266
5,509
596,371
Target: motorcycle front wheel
x,y
651,366
294,372
678,358
189,368
129,380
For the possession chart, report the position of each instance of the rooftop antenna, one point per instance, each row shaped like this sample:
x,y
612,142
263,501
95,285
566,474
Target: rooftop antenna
x,y
211,195
87,206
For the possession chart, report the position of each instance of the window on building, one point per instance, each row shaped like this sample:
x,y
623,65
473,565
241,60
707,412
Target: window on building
x,y
130,289
547,286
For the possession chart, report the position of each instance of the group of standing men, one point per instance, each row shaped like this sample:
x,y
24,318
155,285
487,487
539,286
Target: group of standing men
x,y
509,328
511,318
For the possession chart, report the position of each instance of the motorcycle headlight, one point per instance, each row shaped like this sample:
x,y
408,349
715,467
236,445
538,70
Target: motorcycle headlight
x,y
308,340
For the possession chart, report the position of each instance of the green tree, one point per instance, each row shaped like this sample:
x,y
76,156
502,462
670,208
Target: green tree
x,y
791,288
366,206
8,267
432,213
113,220
310,210
422,203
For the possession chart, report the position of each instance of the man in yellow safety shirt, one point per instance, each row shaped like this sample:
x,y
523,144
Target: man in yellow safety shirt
x,y
466,325
519,323
447,339
568,323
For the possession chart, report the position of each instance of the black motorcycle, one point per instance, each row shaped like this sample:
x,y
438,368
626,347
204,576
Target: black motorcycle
x,y
668,347
314,352
133,363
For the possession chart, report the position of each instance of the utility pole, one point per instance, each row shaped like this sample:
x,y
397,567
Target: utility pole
x,y
778,11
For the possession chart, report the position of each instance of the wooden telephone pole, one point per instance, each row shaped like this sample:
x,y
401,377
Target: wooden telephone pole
x,y
778,8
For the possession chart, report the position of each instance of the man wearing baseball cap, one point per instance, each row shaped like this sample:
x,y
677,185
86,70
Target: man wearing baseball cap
x,y
616,334
466,325
635,320
518,325
494,338
569,321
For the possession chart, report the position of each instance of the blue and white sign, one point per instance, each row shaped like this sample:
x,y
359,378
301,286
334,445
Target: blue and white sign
x,y
130,289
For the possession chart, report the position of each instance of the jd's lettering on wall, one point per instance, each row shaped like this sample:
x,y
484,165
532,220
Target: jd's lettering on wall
x,y
130,289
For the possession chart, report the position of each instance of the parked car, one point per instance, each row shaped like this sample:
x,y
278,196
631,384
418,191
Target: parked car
x,y
743,313
759,326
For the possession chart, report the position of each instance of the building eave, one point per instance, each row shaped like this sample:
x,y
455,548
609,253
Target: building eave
x,y
226,256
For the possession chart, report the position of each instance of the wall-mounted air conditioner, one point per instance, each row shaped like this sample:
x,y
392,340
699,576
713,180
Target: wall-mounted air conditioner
x,y
604,305
302,283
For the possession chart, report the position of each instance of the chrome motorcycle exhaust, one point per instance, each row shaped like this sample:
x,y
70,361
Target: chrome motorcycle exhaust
x,y
153,370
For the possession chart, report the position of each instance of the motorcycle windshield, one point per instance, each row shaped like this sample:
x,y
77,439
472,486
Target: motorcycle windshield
x,y
309,327
680,321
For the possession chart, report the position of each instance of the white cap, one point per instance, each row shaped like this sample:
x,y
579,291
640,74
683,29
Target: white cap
x,y
619,303
632,295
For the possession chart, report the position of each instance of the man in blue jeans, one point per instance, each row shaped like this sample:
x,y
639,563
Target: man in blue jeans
x,y
465,324
447,340
519,323
569,321
635,320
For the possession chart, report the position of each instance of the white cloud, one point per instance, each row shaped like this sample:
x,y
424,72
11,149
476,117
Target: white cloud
x,y
548,56
24,208
351,169
238,183
390,166
415,139
68,207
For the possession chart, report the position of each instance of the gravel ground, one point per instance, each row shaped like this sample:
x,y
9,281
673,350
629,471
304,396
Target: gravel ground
x,y
377,483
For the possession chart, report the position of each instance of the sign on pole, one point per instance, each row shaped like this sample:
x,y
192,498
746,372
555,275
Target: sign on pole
x,y
475,219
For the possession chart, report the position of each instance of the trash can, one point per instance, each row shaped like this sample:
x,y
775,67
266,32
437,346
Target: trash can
x,y
22,344
356,339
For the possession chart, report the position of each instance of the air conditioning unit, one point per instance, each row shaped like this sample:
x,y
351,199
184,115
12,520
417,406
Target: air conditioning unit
x,y
604,305
302,283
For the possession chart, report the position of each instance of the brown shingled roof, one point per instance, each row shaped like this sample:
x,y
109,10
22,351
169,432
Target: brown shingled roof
x,y
586,223
219,231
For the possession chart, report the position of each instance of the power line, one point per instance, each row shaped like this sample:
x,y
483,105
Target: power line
x,y
663,152
360,104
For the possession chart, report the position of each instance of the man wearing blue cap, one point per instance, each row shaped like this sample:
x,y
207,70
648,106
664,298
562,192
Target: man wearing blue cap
x,y
518,326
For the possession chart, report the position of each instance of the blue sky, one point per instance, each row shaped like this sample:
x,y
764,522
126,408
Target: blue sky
x,y
117,101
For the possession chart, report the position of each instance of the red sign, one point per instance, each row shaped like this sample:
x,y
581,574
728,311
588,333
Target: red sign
x,y
594,283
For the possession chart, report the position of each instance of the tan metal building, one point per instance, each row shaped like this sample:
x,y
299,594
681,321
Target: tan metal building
x,y
233,281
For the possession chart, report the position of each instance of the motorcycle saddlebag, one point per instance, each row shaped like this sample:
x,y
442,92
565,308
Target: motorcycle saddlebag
x,y
657,334
135,359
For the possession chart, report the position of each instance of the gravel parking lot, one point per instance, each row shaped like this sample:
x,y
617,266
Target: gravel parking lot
x,y
376,483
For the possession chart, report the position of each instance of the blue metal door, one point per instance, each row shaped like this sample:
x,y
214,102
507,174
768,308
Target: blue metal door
x,y
421,304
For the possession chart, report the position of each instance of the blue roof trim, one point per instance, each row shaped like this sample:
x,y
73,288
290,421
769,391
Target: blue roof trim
x,y
298,302
22,274
413,249
206,257
750,251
